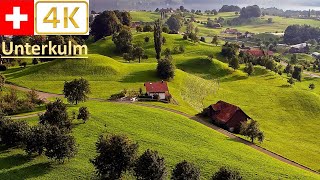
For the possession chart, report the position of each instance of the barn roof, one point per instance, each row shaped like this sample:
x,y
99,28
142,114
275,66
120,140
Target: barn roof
x,y
156,87
225,111
258,52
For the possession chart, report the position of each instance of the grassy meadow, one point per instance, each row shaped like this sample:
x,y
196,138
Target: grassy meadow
x,y
175,137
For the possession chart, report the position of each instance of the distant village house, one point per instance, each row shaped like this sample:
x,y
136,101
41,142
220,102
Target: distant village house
x,y
299,48
157,89
255,52
227,116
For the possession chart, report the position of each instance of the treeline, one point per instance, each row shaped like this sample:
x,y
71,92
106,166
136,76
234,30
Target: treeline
x,y
118,156
231,8
296,34
289,13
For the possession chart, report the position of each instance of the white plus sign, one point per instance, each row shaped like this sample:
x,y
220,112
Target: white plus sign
x,y
16,17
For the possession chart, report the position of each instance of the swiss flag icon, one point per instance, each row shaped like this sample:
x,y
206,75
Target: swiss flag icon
x,y
17,17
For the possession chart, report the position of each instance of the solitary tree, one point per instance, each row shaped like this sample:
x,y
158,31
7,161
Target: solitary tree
x,y
226,173
175,23
76,91
56,115
116,154
158,38
249,68
150,166
2,81
84,114
251,130
138,52
59,146
165,68
297,73
105,24
185,171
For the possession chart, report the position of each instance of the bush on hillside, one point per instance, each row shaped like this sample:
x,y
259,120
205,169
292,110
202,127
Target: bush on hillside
x,y
59,146
147,39
150,165
12,133
36,140
84,114
116,155
226,173
252,130
185,171
56,115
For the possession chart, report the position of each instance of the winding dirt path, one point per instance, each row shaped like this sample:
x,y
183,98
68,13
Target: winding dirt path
x,y
45,95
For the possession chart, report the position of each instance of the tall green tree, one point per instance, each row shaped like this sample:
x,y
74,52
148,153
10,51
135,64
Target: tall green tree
x,y
123,40
116,155
158,38
138,52
76,91
165,68
175,23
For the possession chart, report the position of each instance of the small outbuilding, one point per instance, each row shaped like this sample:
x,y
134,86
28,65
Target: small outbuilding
x,y
157,88
227,116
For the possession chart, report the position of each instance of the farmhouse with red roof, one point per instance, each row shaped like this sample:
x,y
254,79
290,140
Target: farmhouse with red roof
x,y
157,88
258,52
227,116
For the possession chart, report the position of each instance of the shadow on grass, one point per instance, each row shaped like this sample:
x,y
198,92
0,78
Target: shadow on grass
x,y
12,161
32,171
285,86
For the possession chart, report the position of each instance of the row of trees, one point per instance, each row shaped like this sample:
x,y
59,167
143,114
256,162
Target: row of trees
x,y
296,34
118,155
50,137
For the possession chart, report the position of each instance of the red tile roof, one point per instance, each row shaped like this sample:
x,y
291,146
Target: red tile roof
x,y
259,52
156,87
225,111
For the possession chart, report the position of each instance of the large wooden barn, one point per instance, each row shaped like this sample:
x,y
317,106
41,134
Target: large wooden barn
x,y
227,116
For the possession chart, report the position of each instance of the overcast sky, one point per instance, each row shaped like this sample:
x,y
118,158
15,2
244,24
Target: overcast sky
x,y
101,5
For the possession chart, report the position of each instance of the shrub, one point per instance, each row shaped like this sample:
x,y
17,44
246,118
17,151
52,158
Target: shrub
x,y
116,154
312,86
23,64
150,166
203,39
36,140
146,39
12,133
35,61
84,114
3,67
226,173
185,37
185,171
56,115
165,29
59,146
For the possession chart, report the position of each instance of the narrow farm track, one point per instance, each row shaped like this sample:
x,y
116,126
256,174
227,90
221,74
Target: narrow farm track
x,y
45,96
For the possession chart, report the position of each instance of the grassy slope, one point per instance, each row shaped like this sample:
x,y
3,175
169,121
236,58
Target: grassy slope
x,y
175,137
265,96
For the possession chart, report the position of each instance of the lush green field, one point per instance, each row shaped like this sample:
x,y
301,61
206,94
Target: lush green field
x,y
175,137
289,116
259,25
